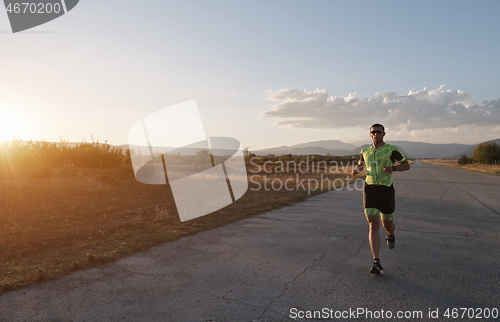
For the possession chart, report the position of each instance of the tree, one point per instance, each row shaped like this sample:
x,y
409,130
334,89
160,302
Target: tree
x,y
247,154
487,153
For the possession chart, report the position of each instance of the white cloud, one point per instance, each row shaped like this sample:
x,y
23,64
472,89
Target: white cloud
x,y
419,111
231,93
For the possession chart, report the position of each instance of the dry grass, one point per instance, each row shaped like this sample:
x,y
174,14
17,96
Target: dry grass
x,y
76,219
474,167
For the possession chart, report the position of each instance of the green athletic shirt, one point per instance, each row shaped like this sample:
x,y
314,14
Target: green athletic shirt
x,y
375,161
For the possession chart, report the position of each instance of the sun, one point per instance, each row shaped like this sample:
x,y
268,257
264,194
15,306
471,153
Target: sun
x,y
14,124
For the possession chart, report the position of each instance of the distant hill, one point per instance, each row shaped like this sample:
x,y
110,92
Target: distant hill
x,y
327,144
423,150
277,150
357,151
469,151
410,149
334,147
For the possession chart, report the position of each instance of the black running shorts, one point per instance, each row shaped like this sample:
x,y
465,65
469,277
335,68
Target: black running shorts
x,y
379,197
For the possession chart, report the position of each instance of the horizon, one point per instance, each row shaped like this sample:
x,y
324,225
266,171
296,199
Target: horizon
x,y
386,141
294,77
358,143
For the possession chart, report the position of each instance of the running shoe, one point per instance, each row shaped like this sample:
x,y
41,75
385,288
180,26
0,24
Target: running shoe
x,y
391,241
376,268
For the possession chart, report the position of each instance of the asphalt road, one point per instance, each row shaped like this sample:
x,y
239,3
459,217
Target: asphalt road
x,y
313,255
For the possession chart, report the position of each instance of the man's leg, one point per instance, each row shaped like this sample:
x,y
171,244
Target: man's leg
x,y
389,226
388,202
374,238
374,234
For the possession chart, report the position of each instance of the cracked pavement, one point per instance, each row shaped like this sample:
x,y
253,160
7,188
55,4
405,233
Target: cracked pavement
x,y
309,256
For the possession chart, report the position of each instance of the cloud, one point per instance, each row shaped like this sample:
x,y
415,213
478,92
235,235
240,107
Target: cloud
x,y
418,110
231,93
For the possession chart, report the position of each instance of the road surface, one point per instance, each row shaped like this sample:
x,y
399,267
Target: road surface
x,y
310,256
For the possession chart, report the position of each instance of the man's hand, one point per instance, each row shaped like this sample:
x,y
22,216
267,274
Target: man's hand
x,y
359,166
388,169
358,169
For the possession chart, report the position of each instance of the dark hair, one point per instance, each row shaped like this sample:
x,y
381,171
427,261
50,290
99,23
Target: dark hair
x,y
378,125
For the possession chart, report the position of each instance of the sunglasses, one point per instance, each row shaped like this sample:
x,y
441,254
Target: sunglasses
x,y
376,131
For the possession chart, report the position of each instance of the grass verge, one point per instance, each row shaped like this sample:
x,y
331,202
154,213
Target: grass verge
x,y
77,219
491,169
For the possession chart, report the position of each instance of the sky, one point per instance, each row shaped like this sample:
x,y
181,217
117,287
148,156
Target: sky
x,y
267,73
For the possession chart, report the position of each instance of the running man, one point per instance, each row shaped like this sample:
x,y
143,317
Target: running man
x,y
378,194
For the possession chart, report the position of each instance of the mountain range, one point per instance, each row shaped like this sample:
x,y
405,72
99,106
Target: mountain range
x,y
409,148
335,147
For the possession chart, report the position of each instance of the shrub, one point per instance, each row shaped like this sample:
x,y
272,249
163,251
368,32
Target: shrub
x,y
487,153
248,155
465,160
285,157
38,158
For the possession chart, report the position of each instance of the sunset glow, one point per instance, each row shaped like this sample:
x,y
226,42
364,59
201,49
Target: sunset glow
x,y
14,124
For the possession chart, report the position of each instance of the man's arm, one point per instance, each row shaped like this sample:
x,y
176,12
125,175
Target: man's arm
x,y
402,167
360,167
396,156
405,165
